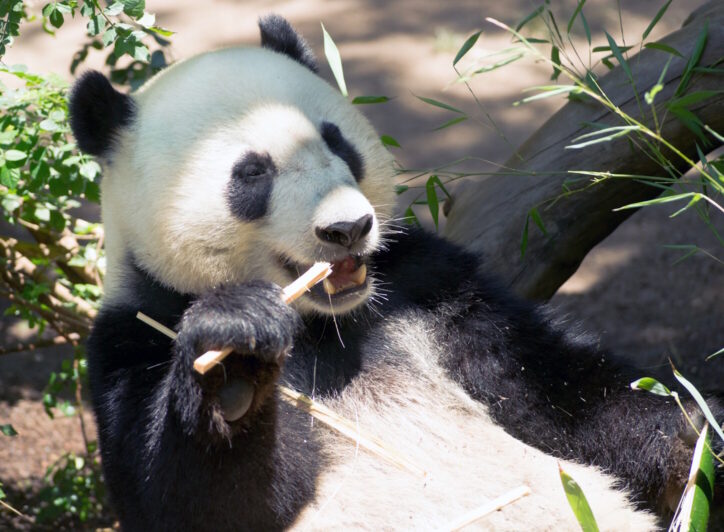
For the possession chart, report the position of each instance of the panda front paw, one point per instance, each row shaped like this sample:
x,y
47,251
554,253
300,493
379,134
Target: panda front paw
x,y
250,318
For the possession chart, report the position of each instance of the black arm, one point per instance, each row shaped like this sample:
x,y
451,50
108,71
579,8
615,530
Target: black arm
x,y
164,441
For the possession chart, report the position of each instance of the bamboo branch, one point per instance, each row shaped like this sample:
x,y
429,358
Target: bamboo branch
x,y
37,343
490,507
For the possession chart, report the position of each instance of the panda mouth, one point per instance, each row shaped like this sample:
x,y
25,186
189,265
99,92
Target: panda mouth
x,y
349,275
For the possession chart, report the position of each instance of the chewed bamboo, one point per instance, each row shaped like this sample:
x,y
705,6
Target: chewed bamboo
x,y
315,274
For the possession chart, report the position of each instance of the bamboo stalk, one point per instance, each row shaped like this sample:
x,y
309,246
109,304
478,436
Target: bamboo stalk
x,y
489,507
319,271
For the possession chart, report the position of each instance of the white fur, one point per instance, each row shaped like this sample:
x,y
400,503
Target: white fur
x,y
469,460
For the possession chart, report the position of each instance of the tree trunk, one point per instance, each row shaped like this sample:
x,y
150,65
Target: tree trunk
x,y
488,216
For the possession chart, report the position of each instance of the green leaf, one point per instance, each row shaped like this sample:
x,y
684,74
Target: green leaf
x,y
114,9
655,20
467,45
616,51
134,8
663,48
578,502
693,60
15,155
578,9
657,201
601,136
556,60
535,216
42,213
96,25
363,100
56,18
690,120
400,189
109,37
390,141
716,425
432,201
11,202
49,125
692,98
8,430
437,103
410,217
530,17
451,122
650,384
693,512
89,169
334,60
586,28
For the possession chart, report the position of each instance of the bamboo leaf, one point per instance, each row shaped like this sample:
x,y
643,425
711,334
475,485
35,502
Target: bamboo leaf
x,y
451,122
617,53
441,105
575,14
467,45
657,201
432,201
650,384
334,60
578,502
693,60
363,100
701,402
663,48
530,17
655,20
390,141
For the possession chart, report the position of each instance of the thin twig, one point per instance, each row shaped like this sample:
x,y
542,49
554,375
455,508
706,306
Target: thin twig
x,y
490,507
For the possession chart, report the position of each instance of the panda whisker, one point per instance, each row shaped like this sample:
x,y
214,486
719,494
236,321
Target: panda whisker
x,y
334,320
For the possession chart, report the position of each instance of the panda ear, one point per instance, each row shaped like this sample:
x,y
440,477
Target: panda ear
x,y
98,112
278,35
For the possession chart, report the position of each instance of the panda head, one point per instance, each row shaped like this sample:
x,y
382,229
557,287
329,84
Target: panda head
x,y
235,165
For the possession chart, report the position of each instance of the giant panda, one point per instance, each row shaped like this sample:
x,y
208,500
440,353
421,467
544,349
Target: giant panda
x,y
226,176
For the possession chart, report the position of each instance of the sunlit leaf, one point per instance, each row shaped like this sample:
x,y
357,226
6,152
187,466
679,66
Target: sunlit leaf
x,y
334,60
467,45
578,502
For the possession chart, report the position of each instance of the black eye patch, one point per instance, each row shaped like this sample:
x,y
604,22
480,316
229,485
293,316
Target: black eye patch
x,y
250,186
339,145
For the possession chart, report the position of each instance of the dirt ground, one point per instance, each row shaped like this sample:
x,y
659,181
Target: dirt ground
x,y
628,290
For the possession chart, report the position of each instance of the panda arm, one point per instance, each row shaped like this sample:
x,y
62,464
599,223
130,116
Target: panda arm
x,y
551,388
168,454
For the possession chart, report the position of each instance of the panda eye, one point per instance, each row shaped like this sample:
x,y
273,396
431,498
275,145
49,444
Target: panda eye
x,y
253,165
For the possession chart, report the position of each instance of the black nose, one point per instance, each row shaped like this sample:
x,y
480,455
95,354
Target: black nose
x,y
345,233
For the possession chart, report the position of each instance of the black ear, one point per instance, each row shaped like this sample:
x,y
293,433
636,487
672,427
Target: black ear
x,y
98,112
278,35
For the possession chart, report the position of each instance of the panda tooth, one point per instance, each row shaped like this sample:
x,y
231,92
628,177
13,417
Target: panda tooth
x,y
329,287
360,275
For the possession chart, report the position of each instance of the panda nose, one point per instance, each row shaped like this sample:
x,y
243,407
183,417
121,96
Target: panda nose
x,y
345,233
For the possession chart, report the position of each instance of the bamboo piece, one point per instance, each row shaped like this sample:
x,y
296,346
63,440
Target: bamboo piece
x,y
489,507
318,272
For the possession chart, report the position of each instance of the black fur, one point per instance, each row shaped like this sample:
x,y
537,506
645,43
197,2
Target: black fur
x,y
278,35
341,147
98,112
171,462
250,187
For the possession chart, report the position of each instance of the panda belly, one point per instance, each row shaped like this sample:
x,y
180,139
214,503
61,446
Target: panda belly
x,y
408,402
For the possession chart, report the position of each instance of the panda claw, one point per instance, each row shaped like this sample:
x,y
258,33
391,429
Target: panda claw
x,y
235,398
